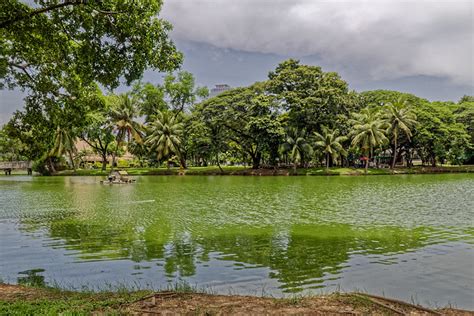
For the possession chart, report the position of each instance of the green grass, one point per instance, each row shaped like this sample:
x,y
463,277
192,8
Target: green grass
x,y
53,302
354,299
46,300
343,171
156,171
239,170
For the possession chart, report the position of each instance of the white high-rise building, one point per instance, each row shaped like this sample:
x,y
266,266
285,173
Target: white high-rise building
x,y
219,88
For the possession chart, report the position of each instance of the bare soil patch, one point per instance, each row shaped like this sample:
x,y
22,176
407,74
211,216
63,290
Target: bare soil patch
x,y
336,304
173,303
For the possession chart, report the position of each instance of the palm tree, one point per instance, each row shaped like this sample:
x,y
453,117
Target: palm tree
x,y
165,135
64,142
368,131
297,145
401,118
331,144
123,113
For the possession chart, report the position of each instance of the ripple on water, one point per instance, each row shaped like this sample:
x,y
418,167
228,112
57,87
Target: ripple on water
x,y
294,233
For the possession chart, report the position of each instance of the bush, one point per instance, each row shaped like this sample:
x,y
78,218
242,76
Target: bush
x,y
122,163
40,167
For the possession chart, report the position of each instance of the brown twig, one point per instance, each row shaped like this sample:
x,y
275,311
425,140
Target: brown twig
x,y
428,310
141,311
22,68
374,301
159,294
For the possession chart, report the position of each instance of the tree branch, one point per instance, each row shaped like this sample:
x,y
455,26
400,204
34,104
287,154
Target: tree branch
x,y
23,68
30,14
27,15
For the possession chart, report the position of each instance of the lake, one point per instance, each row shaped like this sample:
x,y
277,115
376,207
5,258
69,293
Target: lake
x,y
407,237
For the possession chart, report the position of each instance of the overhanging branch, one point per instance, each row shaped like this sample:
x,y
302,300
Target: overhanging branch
x,y
67,3
30,14
23,69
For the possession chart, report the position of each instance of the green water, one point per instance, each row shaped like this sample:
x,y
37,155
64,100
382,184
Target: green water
x,y
404,236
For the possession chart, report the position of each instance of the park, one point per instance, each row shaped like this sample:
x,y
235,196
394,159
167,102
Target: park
x,y
292,194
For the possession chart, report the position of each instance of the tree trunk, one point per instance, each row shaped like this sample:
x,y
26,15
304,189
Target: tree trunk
x,y
367,161
256,160
113,160
51,165
295,164
218,163
394,161
409,159
104,162
327,161
182,159
183,163
72,161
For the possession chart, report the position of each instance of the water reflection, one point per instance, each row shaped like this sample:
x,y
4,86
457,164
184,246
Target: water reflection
x,y
299,231
302,257
31,278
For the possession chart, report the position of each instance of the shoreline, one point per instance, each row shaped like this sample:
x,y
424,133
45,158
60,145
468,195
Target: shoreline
x,y
20,299
243,171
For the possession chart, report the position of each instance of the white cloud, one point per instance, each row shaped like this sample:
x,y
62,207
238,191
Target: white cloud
x,y
381,39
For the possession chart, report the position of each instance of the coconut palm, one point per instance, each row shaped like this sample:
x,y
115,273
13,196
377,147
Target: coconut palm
x,y
165,135
123,114
64,142
368,131
401,119
330,143
296,145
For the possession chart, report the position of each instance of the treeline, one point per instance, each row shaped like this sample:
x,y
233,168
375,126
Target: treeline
x,y
300,116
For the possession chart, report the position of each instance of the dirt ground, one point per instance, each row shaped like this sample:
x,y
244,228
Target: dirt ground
x,y
172,303
335,304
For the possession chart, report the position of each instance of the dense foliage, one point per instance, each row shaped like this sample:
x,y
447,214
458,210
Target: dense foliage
x,y
300,116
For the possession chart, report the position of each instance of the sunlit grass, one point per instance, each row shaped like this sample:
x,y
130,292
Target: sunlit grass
x,y
244,170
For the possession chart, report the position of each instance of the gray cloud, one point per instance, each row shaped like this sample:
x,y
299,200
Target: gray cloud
x,y
378,39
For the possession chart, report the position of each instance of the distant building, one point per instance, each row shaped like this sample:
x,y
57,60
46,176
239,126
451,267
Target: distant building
x,y
219,88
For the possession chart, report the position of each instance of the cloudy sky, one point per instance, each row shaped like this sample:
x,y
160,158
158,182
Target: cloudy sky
x,y
424,47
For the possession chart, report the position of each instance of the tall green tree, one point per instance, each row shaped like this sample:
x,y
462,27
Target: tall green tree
x,y
439,136
310,96
98,134
164,137
150,99
249,118
331,144
58,51
123,114
64,143
368,132
181,91
380,98
10,148
55,48
297,146
401,119
464,115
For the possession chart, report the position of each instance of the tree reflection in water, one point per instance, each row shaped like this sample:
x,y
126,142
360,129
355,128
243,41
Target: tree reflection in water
x,y
299,257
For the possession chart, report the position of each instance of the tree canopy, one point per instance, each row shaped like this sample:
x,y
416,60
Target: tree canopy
x,y
59,52
299,116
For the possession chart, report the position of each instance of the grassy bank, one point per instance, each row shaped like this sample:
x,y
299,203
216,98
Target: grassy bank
x,y
232,170
22,300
